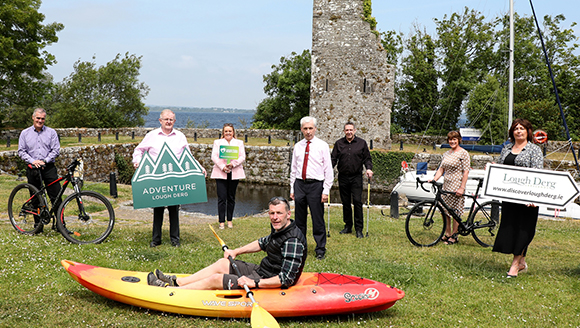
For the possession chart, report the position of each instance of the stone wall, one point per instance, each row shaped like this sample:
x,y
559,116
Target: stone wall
x,y
351,79
264,165
290,135
141,132
479,162
427,142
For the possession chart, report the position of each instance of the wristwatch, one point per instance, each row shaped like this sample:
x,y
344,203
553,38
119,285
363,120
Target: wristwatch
x,y
257,282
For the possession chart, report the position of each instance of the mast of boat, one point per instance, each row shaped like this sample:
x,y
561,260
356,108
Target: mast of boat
x,y
511,68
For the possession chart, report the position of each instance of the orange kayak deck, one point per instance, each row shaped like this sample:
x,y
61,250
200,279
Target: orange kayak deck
x,y
314,294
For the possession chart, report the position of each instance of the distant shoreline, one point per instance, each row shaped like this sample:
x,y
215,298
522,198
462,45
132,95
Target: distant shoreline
x,y
209,110
203,119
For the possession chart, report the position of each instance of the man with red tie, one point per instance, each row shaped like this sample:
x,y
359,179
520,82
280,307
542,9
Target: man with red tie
x,y
311,178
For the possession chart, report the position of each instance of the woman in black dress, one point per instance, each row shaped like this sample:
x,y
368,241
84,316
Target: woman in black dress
x,y
518,221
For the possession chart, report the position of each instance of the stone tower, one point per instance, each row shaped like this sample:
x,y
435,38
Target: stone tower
x,y
351,79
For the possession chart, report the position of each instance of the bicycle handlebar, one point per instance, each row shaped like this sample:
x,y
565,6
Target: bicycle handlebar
x,y
439,186
72,166
436,184
32,167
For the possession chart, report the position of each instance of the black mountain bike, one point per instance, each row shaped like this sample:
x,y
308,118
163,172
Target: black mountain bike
x,y
84,217
425,224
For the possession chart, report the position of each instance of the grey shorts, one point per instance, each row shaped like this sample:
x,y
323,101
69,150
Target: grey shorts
x,y
246,269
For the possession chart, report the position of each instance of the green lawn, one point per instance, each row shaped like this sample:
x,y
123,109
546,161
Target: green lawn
x,y
446,286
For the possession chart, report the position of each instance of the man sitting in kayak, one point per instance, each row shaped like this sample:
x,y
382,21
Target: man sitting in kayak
x,y
286,254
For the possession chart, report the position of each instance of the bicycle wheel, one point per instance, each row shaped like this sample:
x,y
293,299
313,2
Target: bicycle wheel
x,y
425,224
23,206
486,222
85,218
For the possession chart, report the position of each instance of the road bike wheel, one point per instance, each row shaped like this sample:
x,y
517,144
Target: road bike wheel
x,y
23,206
486,220
85,218
425,225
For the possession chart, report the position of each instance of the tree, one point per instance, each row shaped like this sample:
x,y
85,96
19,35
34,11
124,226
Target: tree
x,y
22,59
288,91
417,92
534,96
393,44
465,43
107,96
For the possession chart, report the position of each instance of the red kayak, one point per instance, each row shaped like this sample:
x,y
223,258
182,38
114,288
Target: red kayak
x,y
314,294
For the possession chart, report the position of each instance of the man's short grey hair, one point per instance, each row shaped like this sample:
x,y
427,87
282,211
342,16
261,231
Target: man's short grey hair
x,y
38,110
165,111
308,119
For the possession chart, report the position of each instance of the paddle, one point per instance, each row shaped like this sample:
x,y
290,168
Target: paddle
x,y
328,229
368,205
260,318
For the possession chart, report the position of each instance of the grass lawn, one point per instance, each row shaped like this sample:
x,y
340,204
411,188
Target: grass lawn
x,y
461,285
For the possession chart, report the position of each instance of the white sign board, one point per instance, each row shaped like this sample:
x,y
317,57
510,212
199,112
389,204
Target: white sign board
x,y
470,134
523,185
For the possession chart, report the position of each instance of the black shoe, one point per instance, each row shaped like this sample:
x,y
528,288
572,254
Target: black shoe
x,y
359,234
152,280
169,279
175,244
154,244
320,256
345,230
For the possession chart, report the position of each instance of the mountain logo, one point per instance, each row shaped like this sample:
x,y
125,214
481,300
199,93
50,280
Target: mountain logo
x,y
168,180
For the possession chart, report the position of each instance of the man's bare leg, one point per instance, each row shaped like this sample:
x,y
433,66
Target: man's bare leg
x,y
210,277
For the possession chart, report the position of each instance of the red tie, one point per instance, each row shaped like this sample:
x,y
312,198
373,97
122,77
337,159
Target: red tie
x,y
305,160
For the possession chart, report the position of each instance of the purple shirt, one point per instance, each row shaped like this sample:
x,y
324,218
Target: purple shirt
x,y
319,163
155,139
38,145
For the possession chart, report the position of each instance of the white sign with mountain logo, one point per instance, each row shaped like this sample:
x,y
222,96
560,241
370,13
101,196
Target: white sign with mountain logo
x,y
168,180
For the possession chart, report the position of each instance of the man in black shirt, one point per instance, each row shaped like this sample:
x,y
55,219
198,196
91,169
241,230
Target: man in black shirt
x,y
350,153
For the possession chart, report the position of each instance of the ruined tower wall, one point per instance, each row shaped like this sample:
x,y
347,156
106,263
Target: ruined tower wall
x,y
351,79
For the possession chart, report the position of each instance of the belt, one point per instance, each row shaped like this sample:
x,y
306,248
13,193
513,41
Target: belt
x,y
310,180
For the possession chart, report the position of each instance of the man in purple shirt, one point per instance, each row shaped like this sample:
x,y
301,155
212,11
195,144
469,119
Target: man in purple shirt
x,y
311,178
38,146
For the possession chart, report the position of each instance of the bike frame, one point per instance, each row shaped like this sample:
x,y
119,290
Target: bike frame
x,y
68,178
466,228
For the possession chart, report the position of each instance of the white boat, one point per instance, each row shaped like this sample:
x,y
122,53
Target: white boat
x,y
407,187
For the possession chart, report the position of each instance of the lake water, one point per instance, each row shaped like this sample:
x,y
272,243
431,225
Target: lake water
x,y
213,120
250,198
253,198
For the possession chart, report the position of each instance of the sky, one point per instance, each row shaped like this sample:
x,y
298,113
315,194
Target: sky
x,y
215,53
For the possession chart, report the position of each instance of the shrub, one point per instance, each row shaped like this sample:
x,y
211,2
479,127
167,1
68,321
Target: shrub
x,y
125,170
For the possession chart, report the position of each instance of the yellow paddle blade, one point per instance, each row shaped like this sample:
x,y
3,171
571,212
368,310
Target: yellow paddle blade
x,y
262,319
216,235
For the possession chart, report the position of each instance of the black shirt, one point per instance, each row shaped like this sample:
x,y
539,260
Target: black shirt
x,y
350,156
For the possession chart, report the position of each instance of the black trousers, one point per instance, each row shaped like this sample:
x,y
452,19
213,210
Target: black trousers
x,y
173,223
226,192
309,195
49,175
350,187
